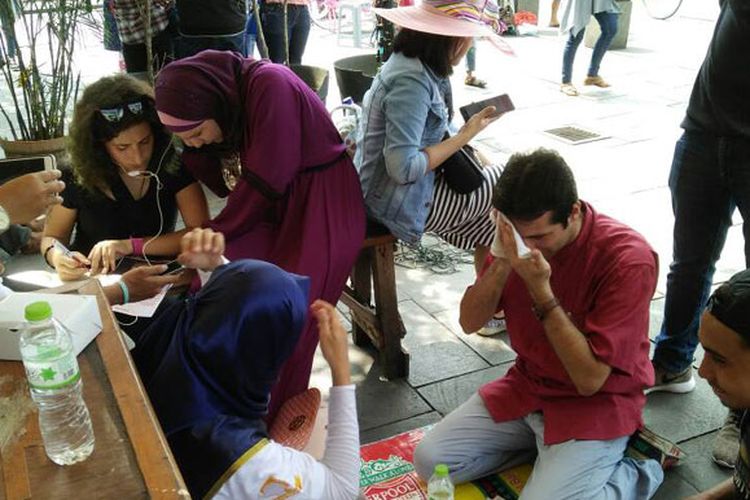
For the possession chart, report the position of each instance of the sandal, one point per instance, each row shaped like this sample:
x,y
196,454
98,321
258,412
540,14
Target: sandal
x,y
596,80
473,81
568,89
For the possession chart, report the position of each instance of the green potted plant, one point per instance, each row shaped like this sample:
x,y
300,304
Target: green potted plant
x,y
37,44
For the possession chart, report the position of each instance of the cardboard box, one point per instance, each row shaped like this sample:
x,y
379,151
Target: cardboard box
x,y
78,313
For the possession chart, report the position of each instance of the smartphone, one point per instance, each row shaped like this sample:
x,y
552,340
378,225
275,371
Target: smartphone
x,y
173,267
10,168
502,104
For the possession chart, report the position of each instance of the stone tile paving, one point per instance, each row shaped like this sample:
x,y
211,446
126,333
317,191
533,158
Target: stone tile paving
x,y
624,175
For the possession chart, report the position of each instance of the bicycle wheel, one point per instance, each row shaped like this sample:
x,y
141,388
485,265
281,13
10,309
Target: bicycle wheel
x,y
318,9
662,9
323,14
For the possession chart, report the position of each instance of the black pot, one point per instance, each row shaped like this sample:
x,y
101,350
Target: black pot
x,y
315,77
354,75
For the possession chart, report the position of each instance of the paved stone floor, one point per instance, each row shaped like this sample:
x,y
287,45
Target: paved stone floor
x,y
624,175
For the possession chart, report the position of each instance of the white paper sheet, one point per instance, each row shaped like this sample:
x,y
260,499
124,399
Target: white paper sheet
x,y
143,308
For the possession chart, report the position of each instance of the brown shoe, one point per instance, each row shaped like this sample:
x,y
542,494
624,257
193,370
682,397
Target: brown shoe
x,y
568,89
596,80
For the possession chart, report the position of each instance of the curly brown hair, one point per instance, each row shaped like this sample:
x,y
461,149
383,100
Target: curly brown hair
x,y
89,130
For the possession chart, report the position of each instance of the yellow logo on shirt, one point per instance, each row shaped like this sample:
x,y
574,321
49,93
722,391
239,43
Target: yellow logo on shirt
x,y
278,489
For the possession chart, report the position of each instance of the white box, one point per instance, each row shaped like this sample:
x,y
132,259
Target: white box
x,y
78,313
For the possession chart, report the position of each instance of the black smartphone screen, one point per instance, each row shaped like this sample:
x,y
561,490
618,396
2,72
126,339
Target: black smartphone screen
x,y
502,104
173,267
10,168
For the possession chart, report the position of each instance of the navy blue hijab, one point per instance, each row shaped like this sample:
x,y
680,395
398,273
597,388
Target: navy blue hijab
x,y
209,364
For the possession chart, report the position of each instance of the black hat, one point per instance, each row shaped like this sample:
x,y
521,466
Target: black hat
x,y
730,304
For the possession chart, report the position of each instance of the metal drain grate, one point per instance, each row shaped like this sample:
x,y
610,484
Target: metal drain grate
x,y
574,135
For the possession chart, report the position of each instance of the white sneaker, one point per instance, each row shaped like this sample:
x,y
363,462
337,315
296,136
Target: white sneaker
x,y
493,327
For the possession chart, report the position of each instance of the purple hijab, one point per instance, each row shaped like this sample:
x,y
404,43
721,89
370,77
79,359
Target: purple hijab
x,y
228,88
207,85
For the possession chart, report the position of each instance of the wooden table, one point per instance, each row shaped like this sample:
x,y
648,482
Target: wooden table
x,y
131,458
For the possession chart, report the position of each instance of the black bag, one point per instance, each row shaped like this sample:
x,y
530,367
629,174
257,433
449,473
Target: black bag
x,y
462,171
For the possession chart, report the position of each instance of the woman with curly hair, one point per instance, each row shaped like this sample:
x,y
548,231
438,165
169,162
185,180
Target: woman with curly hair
x,y
126,185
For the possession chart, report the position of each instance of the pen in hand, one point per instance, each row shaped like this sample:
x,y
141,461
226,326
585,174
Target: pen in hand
x,y
78,258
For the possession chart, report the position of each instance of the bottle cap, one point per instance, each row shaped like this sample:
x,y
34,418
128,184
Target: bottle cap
x,y
441,470
38,311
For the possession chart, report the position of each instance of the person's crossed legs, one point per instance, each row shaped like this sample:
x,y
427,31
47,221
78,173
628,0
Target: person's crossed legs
x,y
473,445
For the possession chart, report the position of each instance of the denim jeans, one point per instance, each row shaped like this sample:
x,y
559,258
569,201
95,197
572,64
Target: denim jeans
x,y
608,24
251,33
187,46
473,445
298,23
710,176
471,58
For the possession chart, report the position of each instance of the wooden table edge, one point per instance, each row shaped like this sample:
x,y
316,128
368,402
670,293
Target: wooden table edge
x,y
160,473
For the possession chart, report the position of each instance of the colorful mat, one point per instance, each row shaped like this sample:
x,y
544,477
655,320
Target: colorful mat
x,y
387,473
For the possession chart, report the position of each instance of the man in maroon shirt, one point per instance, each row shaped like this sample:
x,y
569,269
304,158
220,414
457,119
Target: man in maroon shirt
x,y
577,311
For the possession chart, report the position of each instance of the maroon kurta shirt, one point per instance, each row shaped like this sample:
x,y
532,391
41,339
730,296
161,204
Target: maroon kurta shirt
x,y
604,280
298,203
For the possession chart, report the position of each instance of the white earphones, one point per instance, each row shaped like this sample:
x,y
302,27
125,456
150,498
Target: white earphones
x,y
159,187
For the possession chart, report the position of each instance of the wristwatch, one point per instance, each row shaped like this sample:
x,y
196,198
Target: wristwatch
x,y
4,220
542,310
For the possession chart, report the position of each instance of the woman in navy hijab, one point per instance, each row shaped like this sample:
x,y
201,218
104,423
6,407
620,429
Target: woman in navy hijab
x,y
209,364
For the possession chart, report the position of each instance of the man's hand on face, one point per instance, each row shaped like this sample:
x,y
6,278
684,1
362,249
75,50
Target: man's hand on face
x,y
31,195
533,269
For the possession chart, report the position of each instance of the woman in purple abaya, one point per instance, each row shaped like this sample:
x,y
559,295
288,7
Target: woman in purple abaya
x,y
295,199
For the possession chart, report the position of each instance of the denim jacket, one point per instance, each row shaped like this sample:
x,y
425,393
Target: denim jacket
x,y
403,113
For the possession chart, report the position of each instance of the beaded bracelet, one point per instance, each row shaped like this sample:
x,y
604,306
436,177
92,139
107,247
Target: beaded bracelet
x,y
125,293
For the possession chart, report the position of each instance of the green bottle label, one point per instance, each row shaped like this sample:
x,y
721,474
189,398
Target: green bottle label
x,y
55,372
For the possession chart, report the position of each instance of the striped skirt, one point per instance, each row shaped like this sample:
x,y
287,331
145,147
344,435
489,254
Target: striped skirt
x,y
463,219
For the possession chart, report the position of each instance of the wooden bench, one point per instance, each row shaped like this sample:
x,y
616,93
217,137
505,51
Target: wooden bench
x,y
378,324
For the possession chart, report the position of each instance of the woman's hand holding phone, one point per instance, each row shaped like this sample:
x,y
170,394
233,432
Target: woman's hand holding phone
x,y
478,122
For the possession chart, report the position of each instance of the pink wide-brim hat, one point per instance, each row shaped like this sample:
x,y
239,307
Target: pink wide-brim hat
x,y
459,18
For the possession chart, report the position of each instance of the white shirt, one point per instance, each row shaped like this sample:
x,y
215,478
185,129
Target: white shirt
x,y
276,470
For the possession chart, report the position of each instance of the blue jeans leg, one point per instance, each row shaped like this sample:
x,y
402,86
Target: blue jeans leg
x,y
272,21
569,55
471,58
298,24
299,31
702,206
608,25
710,176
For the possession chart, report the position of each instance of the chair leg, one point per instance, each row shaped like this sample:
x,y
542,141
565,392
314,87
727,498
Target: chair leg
x,y
394,357
356,27
362,286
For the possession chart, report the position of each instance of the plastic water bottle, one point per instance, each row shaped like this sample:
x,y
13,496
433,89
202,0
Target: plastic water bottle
x,y
440,486
55,383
